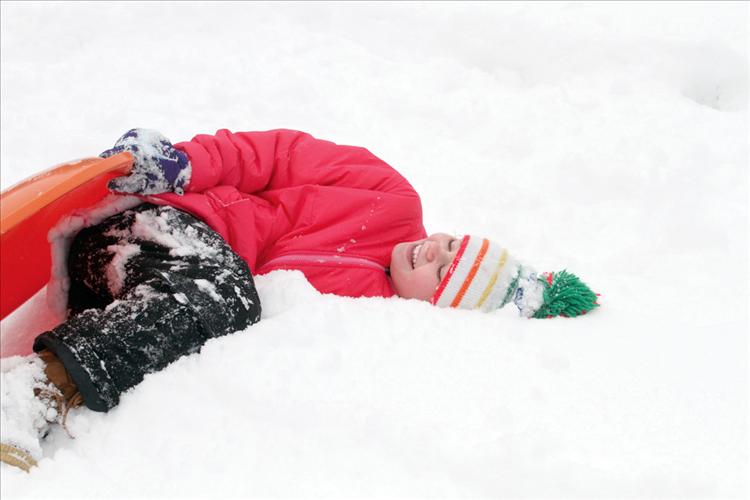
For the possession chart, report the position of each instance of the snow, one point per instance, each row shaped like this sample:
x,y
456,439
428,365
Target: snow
x,y
530,298
161,230
18,405
210,289
121,252
607,138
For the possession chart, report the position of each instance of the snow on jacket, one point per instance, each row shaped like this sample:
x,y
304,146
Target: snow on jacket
x,y
285,200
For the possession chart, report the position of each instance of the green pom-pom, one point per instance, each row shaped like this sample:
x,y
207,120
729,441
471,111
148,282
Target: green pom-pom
x,y
565,295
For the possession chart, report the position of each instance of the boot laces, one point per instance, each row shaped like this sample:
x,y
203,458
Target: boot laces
x,y
53,398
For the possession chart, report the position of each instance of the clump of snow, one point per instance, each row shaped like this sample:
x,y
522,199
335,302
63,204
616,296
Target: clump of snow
x,y
209,288
116,274
245,301
22,415
159,228
529,297
181,298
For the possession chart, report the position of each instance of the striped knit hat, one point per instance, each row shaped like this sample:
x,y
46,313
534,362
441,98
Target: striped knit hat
x,y
485,276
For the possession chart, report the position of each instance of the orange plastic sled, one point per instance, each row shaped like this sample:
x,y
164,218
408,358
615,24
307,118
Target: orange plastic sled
x,y
32,207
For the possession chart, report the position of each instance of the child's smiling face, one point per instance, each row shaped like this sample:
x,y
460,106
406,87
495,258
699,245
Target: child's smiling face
x,y
417,267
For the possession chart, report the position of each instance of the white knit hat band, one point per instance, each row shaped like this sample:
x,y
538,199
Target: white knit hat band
x,y
506,274
479,287
451,284
479,277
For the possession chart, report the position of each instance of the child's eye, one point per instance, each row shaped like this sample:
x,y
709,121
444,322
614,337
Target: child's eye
x,y
454,244
442,269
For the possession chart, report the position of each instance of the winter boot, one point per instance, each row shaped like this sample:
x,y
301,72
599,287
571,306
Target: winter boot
x,y
58,375
30,403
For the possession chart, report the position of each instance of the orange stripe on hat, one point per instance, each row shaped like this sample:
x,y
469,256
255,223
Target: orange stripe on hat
x,y
451,270
472,273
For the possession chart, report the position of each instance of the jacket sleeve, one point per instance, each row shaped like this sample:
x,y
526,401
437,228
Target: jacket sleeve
x,y
253,162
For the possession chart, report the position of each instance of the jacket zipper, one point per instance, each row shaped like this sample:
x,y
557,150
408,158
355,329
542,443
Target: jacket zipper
x,y
326,259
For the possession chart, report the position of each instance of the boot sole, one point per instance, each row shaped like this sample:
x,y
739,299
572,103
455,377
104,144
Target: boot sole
x,y
17,457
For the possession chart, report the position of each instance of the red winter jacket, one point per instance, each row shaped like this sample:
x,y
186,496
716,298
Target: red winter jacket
x,y
285,200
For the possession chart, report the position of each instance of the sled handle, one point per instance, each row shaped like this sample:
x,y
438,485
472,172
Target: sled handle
x,y
22,200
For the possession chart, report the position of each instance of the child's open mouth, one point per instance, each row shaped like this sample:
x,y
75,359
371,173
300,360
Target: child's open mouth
x,y
415,254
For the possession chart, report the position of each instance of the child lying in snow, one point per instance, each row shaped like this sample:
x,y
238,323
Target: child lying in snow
x,y
154,282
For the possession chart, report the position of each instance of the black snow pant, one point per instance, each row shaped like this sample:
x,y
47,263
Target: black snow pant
x,y
147,286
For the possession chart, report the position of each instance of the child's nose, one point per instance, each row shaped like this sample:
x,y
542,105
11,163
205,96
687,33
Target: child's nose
x,y
431,251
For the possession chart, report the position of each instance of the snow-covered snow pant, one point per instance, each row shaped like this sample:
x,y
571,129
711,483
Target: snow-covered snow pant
x,y
147,286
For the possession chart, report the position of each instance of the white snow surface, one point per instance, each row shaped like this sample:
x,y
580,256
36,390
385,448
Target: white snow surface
x,y
607,138
22,415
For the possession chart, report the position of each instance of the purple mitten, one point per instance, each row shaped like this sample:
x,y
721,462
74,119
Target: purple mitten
x,y
157,166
